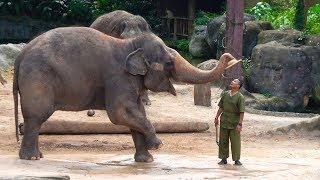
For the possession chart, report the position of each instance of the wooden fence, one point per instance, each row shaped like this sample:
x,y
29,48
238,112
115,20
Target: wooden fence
x,y
177,26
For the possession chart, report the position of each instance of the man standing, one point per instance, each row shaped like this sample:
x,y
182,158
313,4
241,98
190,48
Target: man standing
x,y
231,105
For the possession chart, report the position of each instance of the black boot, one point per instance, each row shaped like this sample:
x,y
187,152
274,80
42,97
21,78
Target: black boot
x,y
237,162
223,161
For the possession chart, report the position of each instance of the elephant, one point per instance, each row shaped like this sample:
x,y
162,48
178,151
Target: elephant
x,y
78,68
121,24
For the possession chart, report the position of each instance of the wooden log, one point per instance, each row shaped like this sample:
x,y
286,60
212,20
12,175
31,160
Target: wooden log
x,y
58,177
202,94
76,127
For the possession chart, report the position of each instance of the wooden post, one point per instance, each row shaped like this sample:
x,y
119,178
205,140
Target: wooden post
x,y
234,33
175,28
191,15
202,94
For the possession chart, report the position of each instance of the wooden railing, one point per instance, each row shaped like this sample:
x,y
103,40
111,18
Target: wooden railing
x,y
178,26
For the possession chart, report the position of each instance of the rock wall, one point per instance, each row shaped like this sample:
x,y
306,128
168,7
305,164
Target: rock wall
x,y
17,30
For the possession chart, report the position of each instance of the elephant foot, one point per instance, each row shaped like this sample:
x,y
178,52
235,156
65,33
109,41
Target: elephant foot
x,y
144,156
153,144
30,154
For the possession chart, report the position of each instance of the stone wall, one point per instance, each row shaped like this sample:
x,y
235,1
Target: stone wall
x,y
17,30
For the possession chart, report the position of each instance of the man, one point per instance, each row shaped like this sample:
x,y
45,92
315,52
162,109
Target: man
x,y
231,105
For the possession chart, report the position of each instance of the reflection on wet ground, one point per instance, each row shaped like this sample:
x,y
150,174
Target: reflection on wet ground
x,y
86,166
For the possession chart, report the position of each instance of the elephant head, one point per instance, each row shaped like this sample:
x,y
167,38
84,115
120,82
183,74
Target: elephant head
x,y
121,24
159,65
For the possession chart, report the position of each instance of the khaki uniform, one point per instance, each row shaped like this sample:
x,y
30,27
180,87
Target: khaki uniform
x,y
232,106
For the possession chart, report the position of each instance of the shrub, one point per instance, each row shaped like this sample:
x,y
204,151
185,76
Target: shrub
x,y
261,10
202,18
246,65
52,10
79,11
313,22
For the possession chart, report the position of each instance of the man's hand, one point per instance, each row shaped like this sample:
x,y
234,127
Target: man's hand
x,y
216,121
239,128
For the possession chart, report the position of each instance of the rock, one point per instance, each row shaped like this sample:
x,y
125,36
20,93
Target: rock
x,y
8,54
214,31
313,52
198,46
313,40
281,71
282,36
16,30
250,36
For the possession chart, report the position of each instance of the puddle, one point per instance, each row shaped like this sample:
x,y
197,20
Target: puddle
x,y
86,166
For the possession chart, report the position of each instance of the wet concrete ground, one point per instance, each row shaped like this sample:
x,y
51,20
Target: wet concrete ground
x,y
165,166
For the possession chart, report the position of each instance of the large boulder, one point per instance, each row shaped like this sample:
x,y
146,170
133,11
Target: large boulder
x,y
250,36
313,52
282,71
313,40
282,36
214,29
8,54
198,46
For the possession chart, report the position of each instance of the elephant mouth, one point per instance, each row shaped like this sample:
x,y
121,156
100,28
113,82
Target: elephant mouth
x,y
172,90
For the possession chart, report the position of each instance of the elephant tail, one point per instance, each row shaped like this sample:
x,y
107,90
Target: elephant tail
x,y
15,91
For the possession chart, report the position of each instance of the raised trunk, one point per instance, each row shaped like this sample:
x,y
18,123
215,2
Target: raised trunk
x,y
187,73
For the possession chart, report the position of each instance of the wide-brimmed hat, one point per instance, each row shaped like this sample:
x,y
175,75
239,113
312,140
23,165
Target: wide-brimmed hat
x,y
232,63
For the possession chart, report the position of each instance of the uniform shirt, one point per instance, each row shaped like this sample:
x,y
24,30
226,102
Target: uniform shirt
x,y
232,106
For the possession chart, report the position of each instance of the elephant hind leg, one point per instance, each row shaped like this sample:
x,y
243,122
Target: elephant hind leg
x,y
37,105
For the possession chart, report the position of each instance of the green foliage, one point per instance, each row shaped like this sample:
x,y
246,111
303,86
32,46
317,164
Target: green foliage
x,y
267,94
261,10
246,66
79,11
52,10
299,23
180,45
202,18
284,16
313,20
279,18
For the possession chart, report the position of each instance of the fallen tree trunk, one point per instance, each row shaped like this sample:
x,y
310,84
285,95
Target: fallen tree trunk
x,y
74,127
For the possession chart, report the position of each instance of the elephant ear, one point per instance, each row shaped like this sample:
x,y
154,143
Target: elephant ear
x,y
135,63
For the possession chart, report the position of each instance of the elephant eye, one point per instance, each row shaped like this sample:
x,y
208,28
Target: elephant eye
x,y
168,66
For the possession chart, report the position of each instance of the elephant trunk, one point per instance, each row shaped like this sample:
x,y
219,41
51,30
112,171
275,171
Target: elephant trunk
x,y
185,72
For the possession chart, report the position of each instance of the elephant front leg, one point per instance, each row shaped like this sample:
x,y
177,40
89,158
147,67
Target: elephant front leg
x,y
131,116
142,154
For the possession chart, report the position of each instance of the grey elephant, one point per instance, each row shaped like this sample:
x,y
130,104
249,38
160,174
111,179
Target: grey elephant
x,y
78,68
121,24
